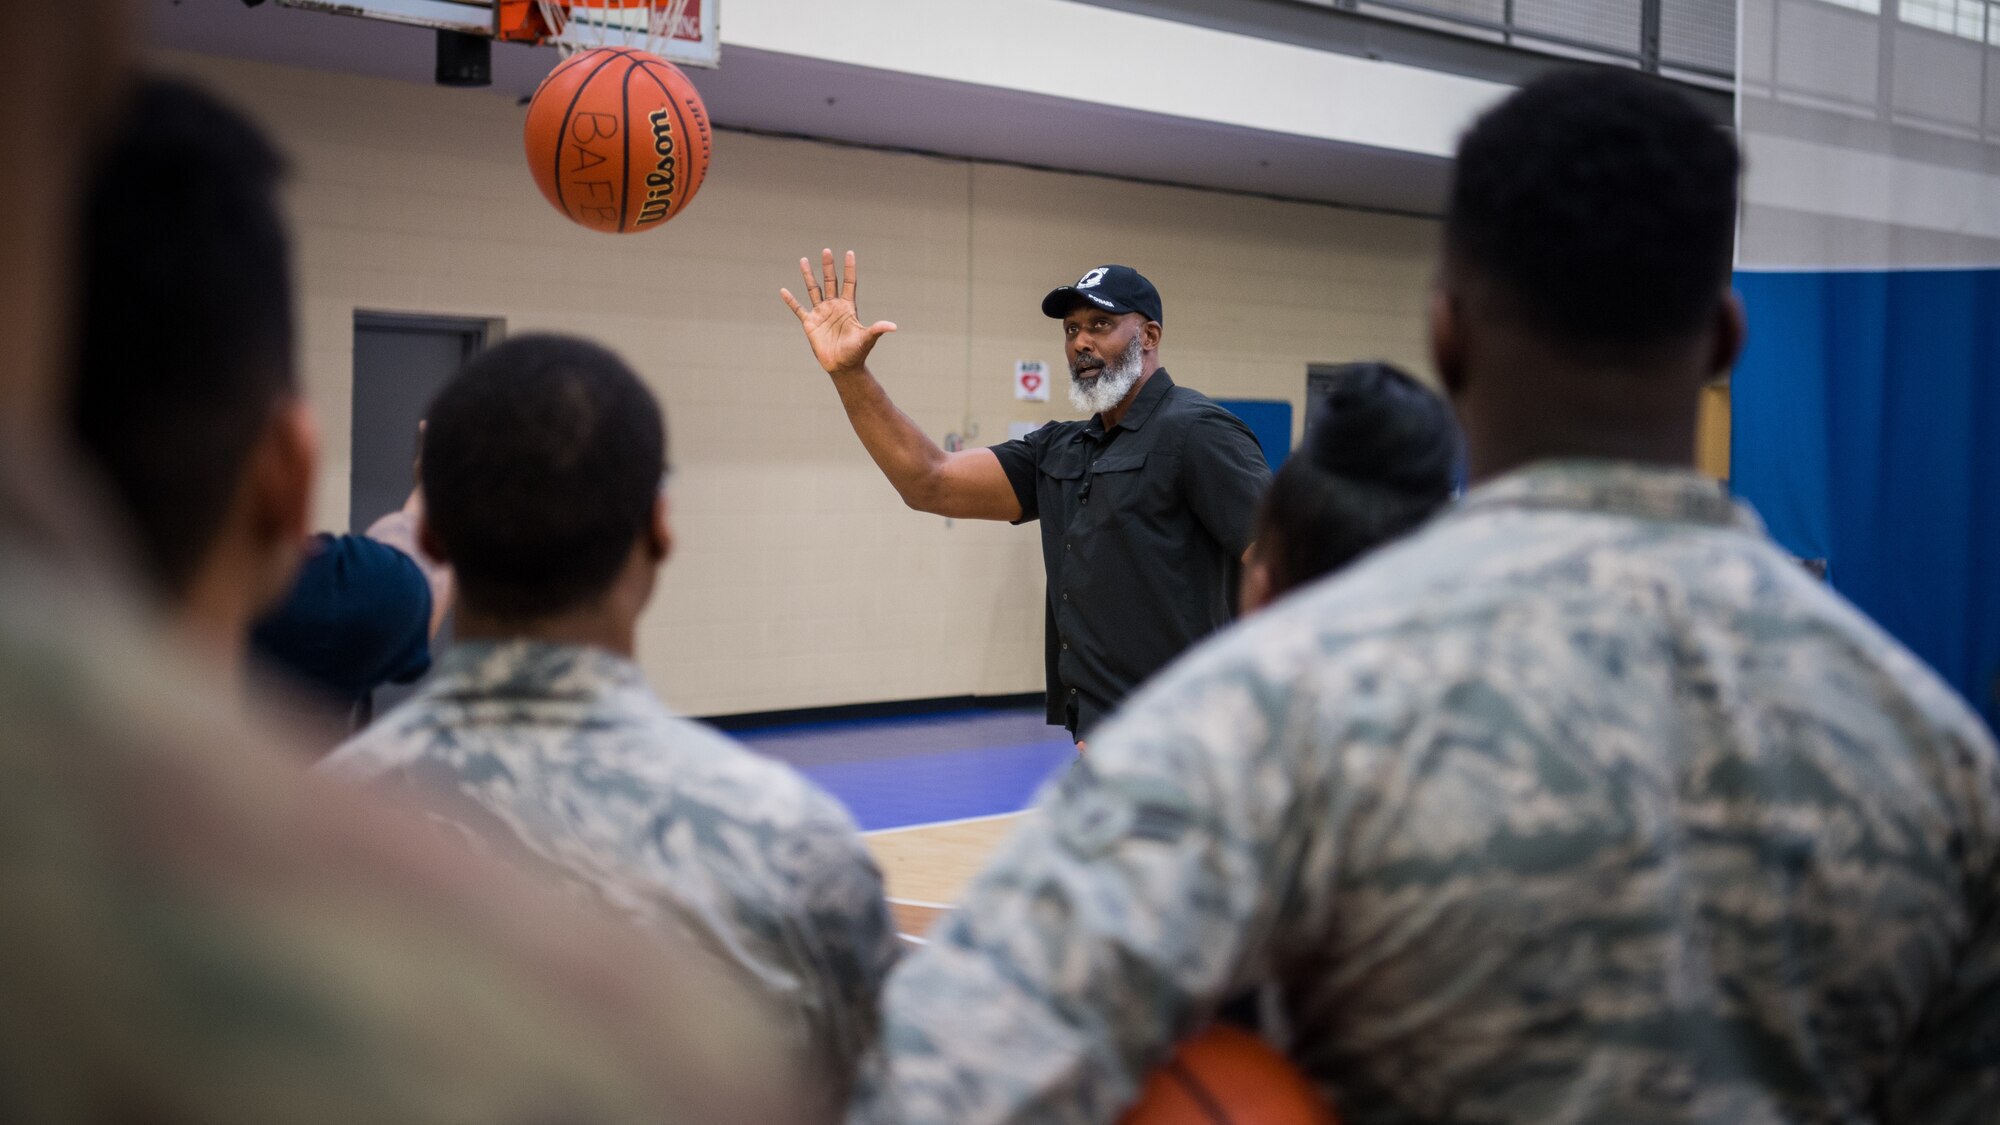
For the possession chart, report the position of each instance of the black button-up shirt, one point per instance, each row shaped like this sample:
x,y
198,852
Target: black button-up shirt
x,y
1143,534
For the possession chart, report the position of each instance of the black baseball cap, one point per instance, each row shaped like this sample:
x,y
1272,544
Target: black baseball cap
x,y
1119,289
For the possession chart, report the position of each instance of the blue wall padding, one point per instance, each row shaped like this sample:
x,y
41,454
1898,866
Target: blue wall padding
x,y
1866,431
1271,421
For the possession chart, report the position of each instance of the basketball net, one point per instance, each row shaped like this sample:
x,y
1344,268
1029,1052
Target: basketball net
x,y
649,25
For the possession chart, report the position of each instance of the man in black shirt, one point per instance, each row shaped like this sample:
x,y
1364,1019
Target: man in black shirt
x,y
1146,506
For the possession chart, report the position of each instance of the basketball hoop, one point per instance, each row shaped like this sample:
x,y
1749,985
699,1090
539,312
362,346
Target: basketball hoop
x,y
648,25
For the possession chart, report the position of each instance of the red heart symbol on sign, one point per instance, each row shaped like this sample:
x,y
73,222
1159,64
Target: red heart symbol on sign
x,y
1031,381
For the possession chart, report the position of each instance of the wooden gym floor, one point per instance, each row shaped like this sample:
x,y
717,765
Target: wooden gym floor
x,y
935,795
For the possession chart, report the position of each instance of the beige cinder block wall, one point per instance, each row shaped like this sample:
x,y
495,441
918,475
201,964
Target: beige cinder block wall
x,y
799,579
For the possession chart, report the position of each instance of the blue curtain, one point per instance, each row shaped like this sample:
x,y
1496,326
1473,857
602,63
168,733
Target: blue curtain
x,y
1866,431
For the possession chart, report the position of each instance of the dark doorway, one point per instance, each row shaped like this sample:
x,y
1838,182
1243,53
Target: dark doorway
x,y
400,362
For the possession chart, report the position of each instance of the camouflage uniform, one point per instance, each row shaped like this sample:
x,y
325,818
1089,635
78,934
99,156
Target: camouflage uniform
x,y
1584,804
562,757
192,932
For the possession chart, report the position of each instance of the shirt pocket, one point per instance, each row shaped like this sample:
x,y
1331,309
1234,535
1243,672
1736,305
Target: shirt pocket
x,y
1121,487
1064,464
1058,477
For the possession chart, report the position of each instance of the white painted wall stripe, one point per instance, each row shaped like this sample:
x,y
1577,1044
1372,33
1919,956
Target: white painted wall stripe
x,y
1085,53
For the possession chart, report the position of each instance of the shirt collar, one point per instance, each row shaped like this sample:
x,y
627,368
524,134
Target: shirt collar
x,y
524,669
1619,488
1156,388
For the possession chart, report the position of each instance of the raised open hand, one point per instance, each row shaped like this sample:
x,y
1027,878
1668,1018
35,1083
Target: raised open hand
x,y
839,340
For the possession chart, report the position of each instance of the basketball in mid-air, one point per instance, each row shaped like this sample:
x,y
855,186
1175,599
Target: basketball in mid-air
x,y
618,139
1226,1076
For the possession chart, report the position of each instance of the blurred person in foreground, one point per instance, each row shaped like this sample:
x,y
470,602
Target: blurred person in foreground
x,y
1381,455
191,932
543,470
188,404
1584,803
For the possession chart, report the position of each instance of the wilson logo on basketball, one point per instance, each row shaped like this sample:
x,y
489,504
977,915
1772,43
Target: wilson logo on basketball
x,y
660,181
618,140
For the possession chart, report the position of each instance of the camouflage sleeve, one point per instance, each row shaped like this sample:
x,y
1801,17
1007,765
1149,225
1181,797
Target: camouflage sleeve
x,y
1949,1072
1137,895
847,935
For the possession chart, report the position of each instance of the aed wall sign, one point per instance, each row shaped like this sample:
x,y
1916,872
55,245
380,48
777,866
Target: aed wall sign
x,y
1031,380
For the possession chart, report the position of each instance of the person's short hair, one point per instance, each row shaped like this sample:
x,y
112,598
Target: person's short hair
x,y
1600,204
542,460
1381,454
184,337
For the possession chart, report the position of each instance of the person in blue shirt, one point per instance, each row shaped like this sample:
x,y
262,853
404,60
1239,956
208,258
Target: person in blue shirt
x,y
363,612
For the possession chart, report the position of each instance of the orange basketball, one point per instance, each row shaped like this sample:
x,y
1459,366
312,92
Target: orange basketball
x,y
618,139
1226,1076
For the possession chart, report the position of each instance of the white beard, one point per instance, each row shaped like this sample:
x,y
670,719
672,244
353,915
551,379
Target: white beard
x,y
1109,386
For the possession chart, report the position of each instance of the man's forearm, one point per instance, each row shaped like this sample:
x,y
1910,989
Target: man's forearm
x,y
904,453
398,529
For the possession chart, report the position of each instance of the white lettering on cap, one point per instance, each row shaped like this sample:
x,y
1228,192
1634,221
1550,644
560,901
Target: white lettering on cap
x,y
1090,280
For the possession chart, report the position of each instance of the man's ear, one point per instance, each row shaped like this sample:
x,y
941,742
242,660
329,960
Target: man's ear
x,y
1447,339
1257,589
659,535
285,470
427,539
1152,330
1732,328
275,498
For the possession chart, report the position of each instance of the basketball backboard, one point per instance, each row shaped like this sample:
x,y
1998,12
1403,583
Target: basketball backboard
x,y
695,42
